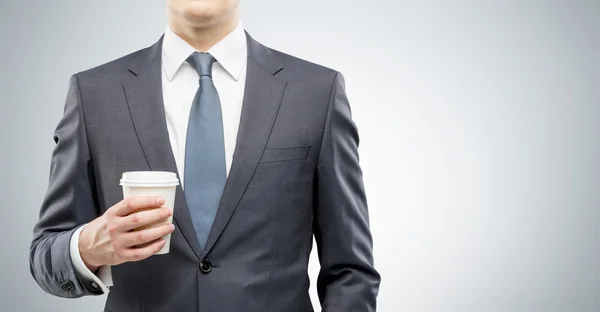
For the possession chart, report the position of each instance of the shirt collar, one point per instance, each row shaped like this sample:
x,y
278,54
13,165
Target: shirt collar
x,y
230,52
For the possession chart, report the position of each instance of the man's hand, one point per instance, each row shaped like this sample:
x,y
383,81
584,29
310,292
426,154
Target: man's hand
x,y
109,239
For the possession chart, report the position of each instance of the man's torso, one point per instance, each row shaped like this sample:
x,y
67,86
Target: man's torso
x,y
262,236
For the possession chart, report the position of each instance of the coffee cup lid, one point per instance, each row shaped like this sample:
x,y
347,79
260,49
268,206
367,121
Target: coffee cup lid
x,y
149,178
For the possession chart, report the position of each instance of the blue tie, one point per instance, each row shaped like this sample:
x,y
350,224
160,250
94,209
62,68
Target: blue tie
x,y
205,172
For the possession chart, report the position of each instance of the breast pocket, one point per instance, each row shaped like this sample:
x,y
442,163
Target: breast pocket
x,y
281,154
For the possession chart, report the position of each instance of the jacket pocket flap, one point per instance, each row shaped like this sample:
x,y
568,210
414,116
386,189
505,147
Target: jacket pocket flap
x,y
285,154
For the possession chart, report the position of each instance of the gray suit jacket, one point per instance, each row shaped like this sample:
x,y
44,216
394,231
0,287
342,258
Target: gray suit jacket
x,y
295,174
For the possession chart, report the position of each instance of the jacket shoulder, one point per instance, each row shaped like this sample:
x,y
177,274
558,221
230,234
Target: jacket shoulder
x,y
113,69
297,68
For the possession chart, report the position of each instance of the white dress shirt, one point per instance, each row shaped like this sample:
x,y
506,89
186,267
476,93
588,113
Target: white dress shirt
x,y
180,83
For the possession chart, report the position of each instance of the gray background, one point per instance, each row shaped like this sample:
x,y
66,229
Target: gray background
x,y
479,125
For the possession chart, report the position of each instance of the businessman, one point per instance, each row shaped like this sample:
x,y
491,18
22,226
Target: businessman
x,y
265,149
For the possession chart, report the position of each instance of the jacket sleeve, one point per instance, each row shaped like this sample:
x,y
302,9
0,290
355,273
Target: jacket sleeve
x,y
68,204
348,281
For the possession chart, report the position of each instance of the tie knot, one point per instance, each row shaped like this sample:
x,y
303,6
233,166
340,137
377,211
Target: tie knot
x,y
202,61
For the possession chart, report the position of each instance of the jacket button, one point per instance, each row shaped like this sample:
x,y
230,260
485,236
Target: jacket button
x,y
205,266
67,286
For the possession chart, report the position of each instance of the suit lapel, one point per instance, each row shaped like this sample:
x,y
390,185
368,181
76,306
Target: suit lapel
x,y
143,89
262,97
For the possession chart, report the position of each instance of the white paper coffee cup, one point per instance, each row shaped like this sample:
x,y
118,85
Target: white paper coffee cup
x,y
152,183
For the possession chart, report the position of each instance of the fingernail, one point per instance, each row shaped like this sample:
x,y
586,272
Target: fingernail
x,y
160,201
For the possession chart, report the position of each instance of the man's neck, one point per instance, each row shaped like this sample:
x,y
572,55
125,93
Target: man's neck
x,y
203,38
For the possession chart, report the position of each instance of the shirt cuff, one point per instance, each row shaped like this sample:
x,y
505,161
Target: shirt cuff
x,y
104,277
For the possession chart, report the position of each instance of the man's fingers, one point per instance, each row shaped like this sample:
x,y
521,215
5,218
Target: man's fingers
x,y
141,253
142,218
130,205
144,236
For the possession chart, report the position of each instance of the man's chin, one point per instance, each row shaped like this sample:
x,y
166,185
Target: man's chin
x,y
200,15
